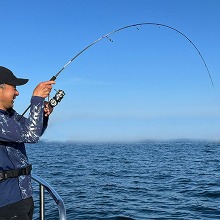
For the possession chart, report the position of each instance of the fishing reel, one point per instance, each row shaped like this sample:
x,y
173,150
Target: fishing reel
x,y
57,98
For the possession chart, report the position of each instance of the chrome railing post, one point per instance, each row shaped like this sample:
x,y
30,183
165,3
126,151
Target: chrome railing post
x,y
45,186
42,202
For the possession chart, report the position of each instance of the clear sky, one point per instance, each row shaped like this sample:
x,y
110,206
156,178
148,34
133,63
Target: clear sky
x,y
147,84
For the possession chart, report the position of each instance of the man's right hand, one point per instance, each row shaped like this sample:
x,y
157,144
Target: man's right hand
x,y
43,89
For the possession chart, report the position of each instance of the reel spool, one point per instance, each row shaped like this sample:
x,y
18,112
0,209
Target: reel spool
x,y
57,98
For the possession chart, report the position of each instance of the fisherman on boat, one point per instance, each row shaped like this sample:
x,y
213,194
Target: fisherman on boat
x,y
15,181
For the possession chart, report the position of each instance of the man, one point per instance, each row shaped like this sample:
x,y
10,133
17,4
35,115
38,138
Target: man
x,y
16,201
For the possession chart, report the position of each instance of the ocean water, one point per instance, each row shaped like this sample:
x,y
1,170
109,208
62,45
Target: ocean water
x,y
140,180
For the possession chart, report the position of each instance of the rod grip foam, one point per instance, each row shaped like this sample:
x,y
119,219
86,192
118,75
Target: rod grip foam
x,y
53,78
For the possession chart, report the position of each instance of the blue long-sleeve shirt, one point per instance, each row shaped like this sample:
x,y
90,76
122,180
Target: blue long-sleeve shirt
x,y
14,133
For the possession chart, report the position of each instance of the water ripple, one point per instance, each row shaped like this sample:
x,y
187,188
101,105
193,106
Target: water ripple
x,y
145,180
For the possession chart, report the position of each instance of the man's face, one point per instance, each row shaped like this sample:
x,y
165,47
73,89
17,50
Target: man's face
x,y
7,95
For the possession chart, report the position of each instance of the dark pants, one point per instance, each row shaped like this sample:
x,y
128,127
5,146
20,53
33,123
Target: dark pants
x,y
22,210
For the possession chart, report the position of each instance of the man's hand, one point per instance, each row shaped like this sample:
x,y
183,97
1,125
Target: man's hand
x,y
48,109
43,89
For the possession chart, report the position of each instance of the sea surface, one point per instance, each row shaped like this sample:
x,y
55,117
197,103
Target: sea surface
x,y
177,179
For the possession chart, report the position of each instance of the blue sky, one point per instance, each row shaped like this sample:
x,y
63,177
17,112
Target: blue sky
x,y
146,84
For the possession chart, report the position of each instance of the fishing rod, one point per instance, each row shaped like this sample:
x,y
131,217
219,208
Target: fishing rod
x,y
53,78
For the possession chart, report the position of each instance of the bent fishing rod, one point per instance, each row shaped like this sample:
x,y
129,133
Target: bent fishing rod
x,y
107,37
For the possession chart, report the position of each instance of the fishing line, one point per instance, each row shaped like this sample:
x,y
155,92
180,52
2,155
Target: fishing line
x,y
123,28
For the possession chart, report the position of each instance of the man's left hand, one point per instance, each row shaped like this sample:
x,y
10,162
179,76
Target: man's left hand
x,y
47,109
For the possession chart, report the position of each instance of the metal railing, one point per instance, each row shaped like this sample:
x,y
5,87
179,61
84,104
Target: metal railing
x,y
44,185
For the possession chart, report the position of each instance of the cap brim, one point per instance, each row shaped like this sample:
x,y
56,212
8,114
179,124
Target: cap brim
x,y
18,82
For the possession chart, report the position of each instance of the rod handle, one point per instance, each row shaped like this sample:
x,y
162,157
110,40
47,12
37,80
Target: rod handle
x,y
53,78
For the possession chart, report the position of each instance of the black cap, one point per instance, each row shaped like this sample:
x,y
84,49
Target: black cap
x,y
7,77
